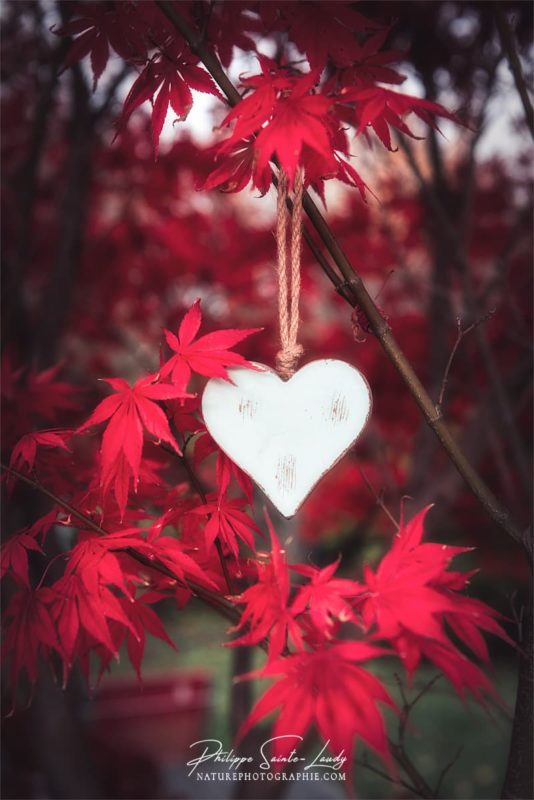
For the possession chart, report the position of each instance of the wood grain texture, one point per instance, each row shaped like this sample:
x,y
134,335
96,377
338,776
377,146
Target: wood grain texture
x,y
287,434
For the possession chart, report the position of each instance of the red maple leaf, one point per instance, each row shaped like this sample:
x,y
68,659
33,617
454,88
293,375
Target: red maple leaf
x,y
183,415
96,29
226,469
298,120
74,609
30,397
326,688
229,26
382,108
322,29
143,620
29,631
171,552
411,597
266,612
238,165
167,80
42,525
287,118
129,411
227,522
369,64
209,355
256,108
14,556
25,451
324,597
93,558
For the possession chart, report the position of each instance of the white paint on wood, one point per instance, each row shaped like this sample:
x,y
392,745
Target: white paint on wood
x,y
287,434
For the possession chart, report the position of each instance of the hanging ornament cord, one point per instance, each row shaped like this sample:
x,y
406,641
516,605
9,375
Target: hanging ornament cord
x,y
289,273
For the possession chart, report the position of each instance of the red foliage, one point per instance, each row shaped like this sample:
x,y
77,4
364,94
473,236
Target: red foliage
x,y
208,356
167,81
412,595
129,411
327,689
267,613
145,504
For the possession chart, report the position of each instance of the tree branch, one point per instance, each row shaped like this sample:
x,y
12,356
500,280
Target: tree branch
x,y
351,287
225,607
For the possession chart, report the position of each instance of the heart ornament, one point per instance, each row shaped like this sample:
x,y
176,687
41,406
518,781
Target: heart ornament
x,y
287,434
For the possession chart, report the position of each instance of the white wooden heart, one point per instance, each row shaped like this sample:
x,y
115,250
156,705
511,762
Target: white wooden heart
x,y
287,434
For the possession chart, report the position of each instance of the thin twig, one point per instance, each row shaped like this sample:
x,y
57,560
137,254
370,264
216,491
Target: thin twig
x,y
426,688
408,705
421,786
398,748
460,333
351,287
378,497
447,767
395,781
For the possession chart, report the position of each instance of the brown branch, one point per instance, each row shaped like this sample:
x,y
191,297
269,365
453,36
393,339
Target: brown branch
x,y
351,287
213,599
508,45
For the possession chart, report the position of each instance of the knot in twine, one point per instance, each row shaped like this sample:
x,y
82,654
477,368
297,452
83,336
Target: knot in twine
x,y
289,274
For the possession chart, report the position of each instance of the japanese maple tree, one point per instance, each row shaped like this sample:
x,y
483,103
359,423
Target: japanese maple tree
x,y
152,510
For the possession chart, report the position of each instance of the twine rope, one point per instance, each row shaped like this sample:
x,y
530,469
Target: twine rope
x,y
289,273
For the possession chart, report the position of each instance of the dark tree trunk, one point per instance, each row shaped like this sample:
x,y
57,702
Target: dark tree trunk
x,y
519,779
